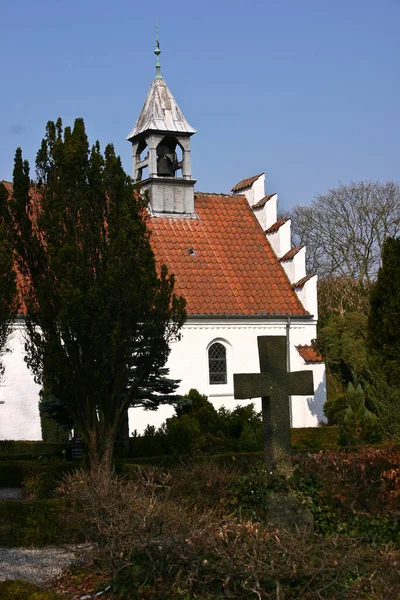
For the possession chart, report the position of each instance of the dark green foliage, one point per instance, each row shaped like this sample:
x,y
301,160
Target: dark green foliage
x,y
36,522
100,317
23,590
39,478
21,449
209,430
313,438
343,345
359,425
7,276
384,319
335,408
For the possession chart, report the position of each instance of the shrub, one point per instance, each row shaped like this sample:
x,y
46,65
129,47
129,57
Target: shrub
x,y
37,522
359,425
335,408
39,478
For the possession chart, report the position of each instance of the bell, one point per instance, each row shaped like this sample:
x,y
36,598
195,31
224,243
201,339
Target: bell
x,y
165,167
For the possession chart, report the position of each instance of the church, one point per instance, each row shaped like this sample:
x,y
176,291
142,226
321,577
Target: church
x,y
234,264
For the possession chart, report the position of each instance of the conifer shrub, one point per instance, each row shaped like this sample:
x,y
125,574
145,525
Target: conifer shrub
x,y
359,425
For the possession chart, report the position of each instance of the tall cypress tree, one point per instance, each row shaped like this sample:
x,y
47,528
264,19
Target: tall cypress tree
x,y
384,318
7,276
100,316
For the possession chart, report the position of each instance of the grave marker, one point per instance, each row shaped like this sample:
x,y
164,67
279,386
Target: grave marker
x,y
274,385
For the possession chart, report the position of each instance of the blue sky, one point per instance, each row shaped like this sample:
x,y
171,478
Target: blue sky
x,y
306,91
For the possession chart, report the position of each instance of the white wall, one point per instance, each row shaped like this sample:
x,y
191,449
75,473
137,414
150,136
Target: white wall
x,y
188,361
19,415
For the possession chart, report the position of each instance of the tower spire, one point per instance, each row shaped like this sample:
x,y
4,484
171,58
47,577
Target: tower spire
x,y
157,52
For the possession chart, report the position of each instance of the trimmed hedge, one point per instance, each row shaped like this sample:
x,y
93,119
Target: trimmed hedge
x,y
314,438
21,449
35,523
23,590
41,478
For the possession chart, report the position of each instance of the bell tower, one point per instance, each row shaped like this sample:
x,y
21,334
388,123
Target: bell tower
x,y
161,150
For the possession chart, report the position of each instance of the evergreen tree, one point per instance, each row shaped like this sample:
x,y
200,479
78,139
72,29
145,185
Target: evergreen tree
x,y
359,424
7,277
384,318
100,316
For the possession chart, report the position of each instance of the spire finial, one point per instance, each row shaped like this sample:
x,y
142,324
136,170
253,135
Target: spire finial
x,y
157,52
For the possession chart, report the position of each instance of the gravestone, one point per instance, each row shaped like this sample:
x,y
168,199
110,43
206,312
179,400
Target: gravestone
x,y
274,385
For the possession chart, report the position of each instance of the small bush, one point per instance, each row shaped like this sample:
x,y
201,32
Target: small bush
x,y
335,408
23,590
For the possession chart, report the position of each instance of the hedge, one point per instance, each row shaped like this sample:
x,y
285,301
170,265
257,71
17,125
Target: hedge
x,y
35,523
22,449
41,478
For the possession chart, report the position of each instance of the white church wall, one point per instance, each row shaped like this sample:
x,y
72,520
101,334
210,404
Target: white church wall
x,y
280,239
271,211
19,415
188,361
307,294
295,268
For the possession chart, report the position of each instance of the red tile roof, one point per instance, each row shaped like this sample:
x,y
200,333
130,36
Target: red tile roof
x,y
276,226
263,201
292,253
245,183
222,261
308,354
302,281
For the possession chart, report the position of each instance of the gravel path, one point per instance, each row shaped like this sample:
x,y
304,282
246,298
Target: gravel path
x,y
11,493
38,565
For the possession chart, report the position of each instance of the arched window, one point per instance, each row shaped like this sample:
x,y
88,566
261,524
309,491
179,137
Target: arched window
x,y
217,363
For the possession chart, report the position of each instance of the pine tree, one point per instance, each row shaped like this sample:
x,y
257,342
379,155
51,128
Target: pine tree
x,y
384,318
100,316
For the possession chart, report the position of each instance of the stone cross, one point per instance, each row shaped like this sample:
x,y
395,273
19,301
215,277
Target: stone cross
x,y
274,385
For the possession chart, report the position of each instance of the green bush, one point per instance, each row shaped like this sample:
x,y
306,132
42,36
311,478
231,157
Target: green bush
x,y
314,438
39,478
335,408
36,522
23,590
25,449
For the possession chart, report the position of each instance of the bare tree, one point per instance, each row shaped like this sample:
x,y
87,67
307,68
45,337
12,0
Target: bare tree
x,y
345,229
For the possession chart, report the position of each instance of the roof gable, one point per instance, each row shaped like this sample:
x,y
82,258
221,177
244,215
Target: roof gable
x,y
222,261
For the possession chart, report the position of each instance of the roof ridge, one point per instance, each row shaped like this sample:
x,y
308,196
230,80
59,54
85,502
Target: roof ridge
x,y
277,225
263,201
302,281
245,183
291,253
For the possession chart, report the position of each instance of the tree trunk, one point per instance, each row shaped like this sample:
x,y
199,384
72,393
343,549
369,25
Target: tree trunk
x,y
100,452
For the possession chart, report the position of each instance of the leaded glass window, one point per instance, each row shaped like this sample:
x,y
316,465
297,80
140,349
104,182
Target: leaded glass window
x,y
217,363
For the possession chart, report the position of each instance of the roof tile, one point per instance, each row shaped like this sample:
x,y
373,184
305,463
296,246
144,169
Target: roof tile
x,y
235,269
245,183
308,354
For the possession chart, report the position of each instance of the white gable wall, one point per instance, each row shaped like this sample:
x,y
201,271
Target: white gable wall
x,y
188,361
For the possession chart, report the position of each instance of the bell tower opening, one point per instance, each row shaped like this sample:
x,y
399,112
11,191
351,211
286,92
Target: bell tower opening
x,y
141,161
169,157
